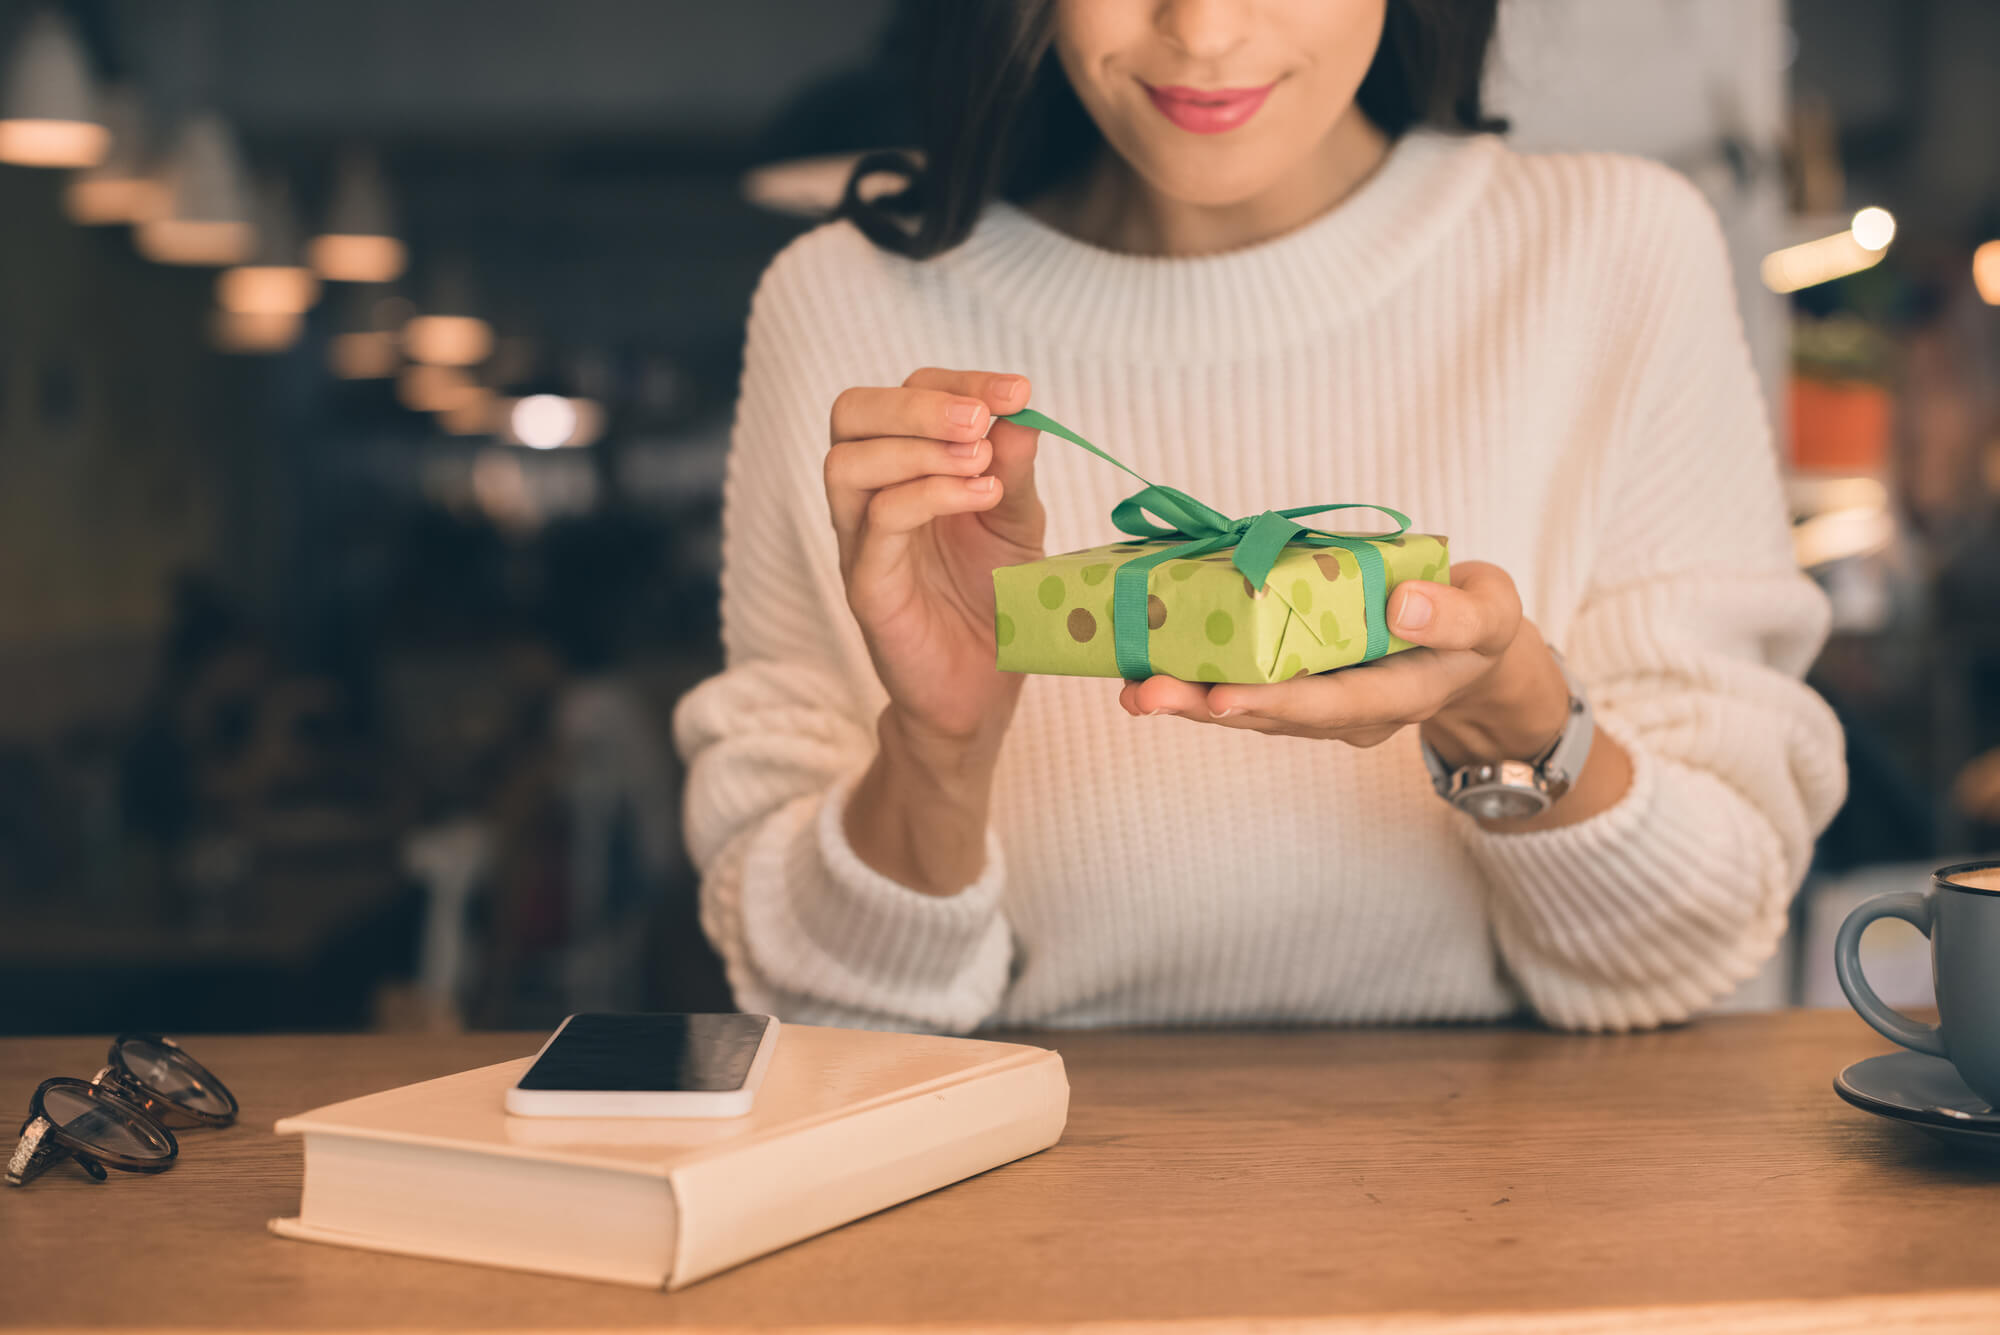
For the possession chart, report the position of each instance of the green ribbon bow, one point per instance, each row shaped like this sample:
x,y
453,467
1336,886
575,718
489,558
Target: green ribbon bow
x,y
1254,543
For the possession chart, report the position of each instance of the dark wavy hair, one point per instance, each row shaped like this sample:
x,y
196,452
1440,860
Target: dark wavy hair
x,y
997,115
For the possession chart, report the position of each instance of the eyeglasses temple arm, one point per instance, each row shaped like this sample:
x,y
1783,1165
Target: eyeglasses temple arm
x,y
35,1153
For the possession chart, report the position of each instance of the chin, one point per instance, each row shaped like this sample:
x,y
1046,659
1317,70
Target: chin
x,y
1212,189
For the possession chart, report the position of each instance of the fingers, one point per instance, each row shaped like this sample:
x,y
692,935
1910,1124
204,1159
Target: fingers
x,y
1479,610
1390,693
865,412
1404,688
1001,391
1014,448
895,514
934,425
857,469
910,505
1165,695
1195,701
944,405
1358,697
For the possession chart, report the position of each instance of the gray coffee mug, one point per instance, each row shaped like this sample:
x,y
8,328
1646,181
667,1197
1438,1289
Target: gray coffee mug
x,y
1963,923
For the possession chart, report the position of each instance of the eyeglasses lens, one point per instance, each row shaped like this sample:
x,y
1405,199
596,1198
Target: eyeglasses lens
x,y
172,1073
103,1126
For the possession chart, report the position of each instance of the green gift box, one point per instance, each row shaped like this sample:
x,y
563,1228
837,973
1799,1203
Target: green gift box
x,y
1197,595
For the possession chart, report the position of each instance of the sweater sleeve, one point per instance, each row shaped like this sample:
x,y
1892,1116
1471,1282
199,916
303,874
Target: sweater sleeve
x,y
1691,640
774,744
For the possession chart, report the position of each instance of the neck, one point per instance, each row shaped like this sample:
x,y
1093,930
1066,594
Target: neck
x,y
1113,207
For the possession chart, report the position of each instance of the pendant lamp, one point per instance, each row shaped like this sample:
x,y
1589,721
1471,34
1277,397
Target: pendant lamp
x,y
126,187
275,279
359,244
209,219
448,331
48,108
367,343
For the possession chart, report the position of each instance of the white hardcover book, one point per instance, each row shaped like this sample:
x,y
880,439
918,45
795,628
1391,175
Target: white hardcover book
x,y
848,1122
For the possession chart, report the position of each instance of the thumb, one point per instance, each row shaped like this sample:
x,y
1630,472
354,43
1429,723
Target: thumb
x,y
1479,610
1014,449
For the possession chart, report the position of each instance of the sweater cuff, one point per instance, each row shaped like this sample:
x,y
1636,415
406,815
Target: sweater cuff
x,y
831,926
1640,915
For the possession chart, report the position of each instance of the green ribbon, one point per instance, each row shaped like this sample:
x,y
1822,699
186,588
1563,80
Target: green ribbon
x,y
1254,544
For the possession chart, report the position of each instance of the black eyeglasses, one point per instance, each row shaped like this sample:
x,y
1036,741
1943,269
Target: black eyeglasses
x,y
119,1118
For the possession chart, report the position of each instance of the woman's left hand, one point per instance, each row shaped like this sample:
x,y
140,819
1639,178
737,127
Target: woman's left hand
x,y
1481,683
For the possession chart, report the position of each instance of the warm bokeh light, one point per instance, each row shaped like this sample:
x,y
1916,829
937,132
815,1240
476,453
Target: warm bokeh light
x,y
1986,272
500,487
472,415
210,219
180,241
1819,495
39,143
262,332
542,421
448,340
367,355
105,201
550,421
1814,262
1854,531
367,341
267,289
1873,228
357,242
125,187
49,111
433,389
358,259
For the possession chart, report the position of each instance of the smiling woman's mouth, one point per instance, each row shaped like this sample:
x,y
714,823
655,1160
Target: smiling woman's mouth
x,y
1207,110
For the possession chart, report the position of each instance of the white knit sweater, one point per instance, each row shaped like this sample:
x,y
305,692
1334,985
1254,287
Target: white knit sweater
x,y
1539,356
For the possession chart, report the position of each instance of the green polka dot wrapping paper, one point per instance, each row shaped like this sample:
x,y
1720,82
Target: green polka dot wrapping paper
x,y
1198,614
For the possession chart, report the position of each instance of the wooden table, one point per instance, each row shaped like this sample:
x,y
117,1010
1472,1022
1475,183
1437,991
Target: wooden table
x,y
1462,1180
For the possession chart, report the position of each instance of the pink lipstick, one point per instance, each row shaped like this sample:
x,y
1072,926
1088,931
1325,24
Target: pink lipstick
x,y
1208,110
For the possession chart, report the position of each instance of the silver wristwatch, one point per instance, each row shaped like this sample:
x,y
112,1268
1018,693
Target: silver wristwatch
x,y
1518,789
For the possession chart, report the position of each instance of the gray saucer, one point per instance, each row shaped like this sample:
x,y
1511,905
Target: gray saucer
x,y
1924,1092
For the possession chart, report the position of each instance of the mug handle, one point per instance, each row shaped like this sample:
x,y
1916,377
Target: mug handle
x,y
1914,909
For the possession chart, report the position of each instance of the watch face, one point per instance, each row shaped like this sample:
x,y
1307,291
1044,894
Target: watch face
x,y
1498,802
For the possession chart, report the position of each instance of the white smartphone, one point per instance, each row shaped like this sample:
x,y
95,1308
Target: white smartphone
x,y
667,1065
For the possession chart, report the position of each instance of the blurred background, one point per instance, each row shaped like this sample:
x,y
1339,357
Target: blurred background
x,y
366,369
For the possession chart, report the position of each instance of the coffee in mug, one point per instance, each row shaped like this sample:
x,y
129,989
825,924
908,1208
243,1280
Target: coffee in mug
x,y
1960,913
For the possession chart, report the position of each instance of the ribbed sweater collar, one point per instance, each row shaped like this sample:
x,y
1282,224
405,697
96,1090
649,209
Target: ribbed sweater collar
x,y
1274,293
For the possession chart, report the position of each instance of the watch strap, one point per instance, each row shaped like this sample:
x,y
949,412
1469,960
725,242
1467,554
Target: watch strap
x,y
1560,765
1557,767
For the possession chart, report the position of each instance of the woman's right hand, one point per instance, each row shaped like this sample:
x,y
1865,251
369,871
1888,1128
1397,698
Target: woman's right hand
x,y
928,494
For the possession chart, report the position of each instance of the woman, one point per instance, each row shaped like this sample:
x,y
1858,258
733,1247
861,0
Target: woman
x,y
1264,252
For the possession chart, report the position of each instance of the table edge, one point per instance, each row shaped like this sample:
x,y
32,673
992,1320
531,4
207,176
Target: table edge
x,y
1940,1312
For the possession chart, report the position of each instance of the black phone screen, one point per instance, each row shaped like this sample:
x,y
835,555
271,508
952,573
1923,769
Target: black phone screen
x,y
649,1053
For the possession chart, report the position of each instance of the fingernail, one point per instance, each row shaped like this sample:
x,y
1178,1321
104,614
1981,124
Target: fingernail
x,y
1416,613
964,414
964,449
1007,386
1155,713
1227,713
982,484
